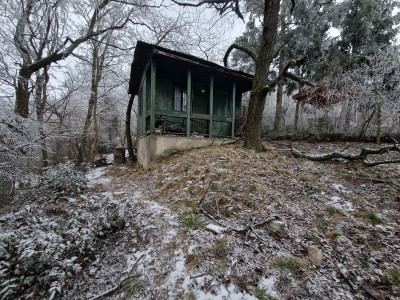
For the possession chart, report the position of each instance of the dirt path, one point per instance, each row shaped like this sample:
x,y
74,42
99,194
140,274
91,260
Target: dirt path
x,y
152,252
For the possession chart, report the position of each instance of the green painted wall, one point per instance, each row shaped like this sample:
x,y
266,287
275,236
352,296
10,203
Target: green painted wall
x,y
200,123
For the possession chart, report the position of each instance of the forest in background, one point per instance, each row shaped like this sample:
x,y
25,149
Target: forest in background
x,y
64,74
65,67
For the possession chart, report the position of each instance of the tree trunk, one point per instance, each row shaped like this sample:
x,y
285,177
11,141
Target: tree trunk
x,y
40,104
296,116
365,126
279,108
128,134
279,95
88,150
22,93
378,122
349,109
252,138
96,133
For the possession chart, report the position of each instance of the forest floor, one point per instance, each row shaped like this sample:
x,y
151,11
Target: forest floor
x,y
229,223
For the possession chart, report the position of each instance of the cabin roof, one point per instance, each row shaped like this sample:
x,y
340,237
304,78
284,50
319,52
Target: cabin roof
x,y
318,96
145,51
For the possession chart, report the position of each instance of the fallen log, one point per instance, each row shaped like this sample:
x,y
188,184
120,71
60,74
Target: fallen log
x,y
362,157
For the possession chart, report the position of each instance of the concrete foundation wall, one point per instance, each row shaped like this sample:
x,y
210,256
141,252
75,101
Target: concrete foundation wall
x,y
151,147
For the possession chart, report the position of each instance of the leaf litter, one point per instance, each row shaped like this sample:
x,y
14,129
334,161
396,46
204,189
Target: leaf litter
x,y
235,189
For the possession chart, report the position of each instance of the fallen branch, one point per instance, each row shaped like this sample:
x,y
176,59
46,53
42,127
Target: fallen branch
x,y
362,157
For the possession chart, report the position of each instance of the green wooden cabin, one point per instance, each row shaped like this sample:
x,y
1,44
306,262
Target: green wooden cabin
x,y
181,94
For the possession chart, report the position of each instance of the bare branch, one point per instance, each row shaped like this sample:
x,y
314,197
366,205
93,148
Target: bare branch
x,y
226,5
285,73
299,79
250,52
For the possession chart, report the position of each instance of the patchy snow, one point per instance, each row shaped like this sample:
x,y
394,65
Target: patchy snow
x,y
267,284
157,247
341,204
94,176
224,293
340,188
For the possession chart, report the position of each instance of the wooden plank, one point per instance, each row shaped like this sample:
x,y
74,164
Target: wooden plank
x,y
222,119
171,113
233,108
180,114
201,116
211,104
152,94
188,101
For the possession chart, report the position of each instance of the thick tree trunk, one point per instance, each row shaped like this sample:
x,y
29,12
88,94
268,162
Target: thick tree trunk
x,y
252,138
22,93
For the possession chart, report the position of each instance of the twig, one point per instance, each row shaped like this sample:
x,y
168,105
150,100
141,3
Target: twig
x,y
114,289
257,236
197,276
347,279
262,224
204,195
369,293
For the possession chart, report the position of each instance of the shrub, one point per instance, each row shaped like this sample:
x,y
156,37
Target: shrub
x,y
40,254
56,181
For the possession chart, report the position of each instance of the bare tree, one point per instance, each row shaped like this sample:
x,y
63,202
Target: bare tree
x,y
42,22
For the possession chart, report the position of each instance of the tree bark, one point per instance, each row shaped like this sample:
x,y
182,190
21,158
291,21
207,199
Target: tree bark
x,y
40,104
296,116
252,138
23,93
96,133
128,134
83,153
279,95
378,122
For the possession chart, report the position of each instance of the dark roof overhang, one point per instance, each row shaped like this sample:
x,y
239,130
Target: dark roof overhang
x,y
145,51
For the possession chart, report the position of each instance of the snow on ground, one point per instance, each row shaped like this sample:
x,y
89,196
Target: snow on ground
x,y
238,188
96,176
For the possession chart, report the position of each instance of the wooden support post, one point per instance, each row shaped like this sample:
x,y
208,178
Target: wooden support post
x,y
189,101
233,108
144,104
152,95
211,104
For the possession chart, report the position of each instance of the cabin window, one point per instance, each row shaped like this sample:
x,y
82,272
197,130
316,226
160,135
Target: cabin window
x,y
180,99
